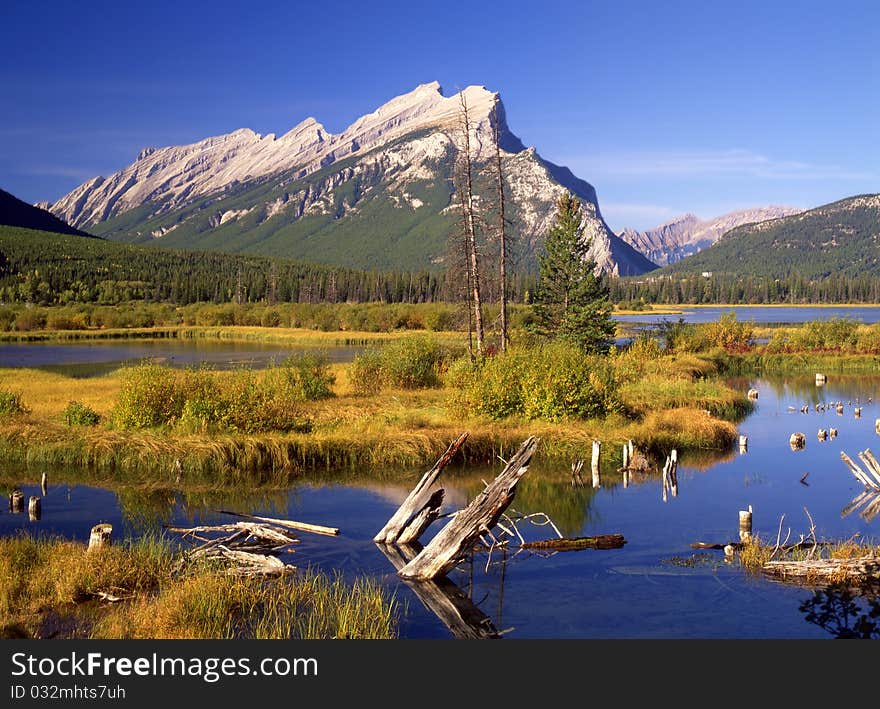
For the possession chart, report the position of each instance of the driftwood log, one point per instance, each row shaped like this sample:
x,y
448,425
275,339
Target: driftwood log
x,y
456,540
860,569
602,541
421,507
290,524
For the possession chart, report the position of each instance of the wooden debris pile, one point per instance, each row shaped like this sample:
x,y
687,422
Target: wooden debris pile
x,y
243,548
485,524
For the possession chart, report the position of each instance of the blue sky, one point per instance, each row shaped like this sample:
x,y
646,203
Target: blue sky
x,y
664,107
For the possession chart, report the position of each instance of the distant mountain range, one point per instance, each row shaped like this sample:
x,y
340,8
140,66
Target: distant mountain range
x,y
687,234
380,194
841,238
15,212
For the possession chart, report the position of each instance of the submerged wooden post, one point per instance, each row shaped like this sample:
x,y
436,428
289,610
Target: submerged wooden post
x,y
100,536
625,456
421,506
820,379
594,463
16,501
858,412
457,539
626,477
673,472
745,525
877,426
753,394
44,483
797,441
34,508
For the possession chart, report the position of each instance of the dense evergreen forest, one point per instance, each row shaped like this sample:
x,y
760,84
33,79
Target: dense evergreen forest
x,y
746,290
50,269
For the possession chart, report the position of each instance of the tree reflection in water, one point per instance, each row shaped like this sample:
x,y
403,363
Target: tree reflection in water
x,y
845,612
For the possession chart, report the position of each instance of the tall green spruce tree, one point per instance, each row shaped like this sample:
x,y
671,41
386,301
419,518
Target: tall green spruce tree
x,y
572,303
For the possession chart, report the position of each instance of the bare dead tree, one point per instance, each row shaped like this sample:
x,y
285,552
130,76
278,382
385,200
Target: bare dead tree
x,y
467,204
502,240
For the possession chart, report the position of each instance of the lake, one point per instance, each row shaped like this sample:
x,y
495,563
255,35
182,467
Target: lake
x,y
655,586
760,314
92,358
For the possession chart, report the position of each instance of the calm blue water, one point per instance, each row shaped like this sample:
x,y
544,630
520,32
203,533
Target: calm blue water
x,y
656,586
97,357
776,314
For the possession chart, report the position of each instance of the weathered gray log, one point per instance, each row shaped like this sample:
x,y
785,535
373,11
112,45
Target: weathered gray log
x,y
457,538
862,568
858,473
302,526
34,508
601,541
16,501
417,499
101,536
423,519
443,598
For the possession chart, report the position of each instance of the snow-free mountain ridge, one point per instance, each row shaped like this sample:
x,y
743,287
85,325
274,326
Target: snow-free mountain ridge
x,y
378,194
687,234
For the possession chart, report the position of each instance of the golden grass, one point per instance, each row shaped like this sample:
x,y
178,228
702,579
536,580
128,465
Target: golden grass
x,y
46,394
46,582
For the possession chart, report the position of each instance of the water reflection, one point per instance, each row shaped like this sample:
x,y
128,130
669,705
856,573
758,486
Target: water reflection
x,y
845,612
443,598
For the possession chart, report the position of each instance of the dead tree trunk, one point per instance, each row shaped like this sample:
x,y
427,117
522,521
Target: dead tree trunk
x,y
470,222
421,507
502,231
458,537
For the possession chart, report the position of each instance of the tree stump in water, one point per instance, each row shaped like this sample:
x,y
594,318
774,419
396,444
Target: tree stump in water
x,y
456,540
797,441
34,508
101,536
16,501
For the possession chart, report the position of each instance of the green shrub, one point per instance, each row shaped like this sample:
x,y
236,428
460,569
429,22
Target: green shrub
x,y
78,414
416,362
150,396
552,382
10,403
30,319
243,401
729,333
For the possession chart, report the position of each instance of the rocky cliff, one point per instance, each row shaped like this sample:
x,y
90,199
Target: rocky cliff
x,y
379,194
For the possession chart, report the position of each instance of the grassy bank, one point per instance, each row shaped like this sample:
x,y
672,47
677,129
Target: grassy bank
x,y
51,588
390,426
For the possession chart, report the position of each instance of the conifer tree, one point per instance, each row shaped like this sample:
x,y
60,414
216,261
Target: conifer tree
x,y
572,302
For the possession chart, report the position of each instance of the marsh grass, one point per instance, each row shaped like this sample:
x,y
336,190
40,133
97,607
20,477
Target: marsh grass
x,y
46,581
754,555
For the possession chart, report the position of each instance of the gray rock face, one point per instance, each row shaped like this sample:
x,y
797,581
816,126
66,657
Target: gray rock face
x,y
406,139
687,234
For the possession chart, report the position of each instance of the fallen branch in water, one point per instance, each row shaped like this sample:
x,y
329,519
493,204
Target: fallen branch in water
x,y
602,541
301,526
